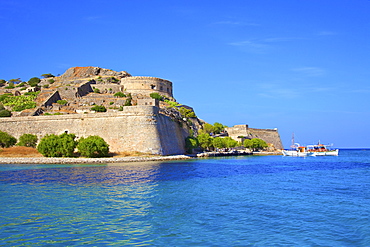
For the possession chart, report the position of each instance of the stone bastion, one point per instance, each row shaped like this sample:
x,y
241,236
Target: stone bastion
x,y
136,128
146,85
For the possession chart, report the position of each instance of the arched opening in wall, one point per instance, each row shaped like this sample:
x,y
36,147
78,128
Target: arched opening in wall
x,y
168,90
161,88
152,86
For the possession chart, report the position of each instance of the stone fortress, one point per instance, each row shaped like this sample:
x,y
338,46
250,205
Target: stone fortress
x,y
147,125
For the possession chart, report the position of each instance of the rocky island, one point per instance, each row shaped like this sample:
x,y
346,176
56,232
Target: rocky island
x,y
131,113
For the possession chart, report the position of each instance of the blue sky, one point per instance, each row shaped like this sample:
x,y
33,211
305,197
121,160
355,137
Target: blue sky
x,y
301,66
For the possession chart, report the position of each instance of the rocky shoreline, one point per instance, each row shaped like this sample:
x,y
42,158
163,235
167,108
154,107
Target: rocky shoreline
x,y
45,160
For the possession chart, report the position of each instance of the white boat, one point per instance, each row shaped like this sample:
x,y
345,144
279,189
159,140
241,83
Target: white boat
x,y
310,150
322,150
298,151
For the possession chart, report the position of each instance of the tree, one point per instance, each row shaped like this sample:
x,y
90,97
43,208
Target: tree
x,y
229,142
218,128
2,82
190,143
34,81
208,128
93,147
27,140
255,144
57,146
47,75
99,108
218,142
7,140
15,81
205,141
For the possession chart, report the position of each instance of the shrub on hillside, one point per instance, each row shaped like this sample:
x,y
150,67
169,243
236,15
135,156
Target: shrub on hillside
x,y
156,96
99,108
5,113
34,81
119,94
93,147
28,140
7,140
62,102
57,145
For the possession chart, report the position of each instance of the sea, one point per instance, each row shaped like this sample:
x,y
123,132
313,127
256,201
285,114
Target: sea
x,y
224,201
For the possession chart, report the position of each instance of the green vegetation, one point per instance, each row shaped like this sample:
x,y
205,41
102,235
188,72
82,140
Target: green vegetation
x,y
255,144
156,96
62,102
205,141
99,108
57,145
128,100
19,103
10,85
21,84
47,75
34,81
119,94
2,82
216,128
27,140
7,140
172,103
15,81
190,143
51,81
46,86
93,147
186,113
4,112
96,90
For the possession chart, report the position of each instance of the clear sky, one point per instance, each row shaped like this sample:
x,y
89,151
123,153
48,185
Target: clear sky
x,y
301,66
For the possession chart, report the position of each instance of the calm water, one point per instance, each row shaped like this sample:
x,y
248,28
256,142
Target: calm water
x,y
239,201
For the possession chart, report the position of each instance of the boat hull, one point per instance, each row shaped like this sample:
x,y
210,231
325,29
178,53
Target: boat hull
x,y
328,153
296,153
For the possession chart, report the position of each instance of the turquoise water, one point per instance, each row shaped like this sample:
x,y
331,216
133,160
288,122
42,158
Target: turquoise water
x,y
238,201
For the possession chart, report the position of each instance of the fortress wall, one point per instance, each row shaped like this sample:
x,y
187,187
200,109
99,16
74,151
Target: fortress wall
x,y
268,135
147,85
108,88
136,128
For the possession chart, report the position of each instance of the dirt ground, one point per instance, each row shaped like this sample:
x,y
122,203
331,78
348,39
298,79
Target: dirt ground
x,y
19,151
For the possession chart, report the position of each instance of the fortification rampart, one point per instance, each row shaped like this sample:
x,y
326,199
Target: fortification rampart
x,y
241,132
136,128
147,85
